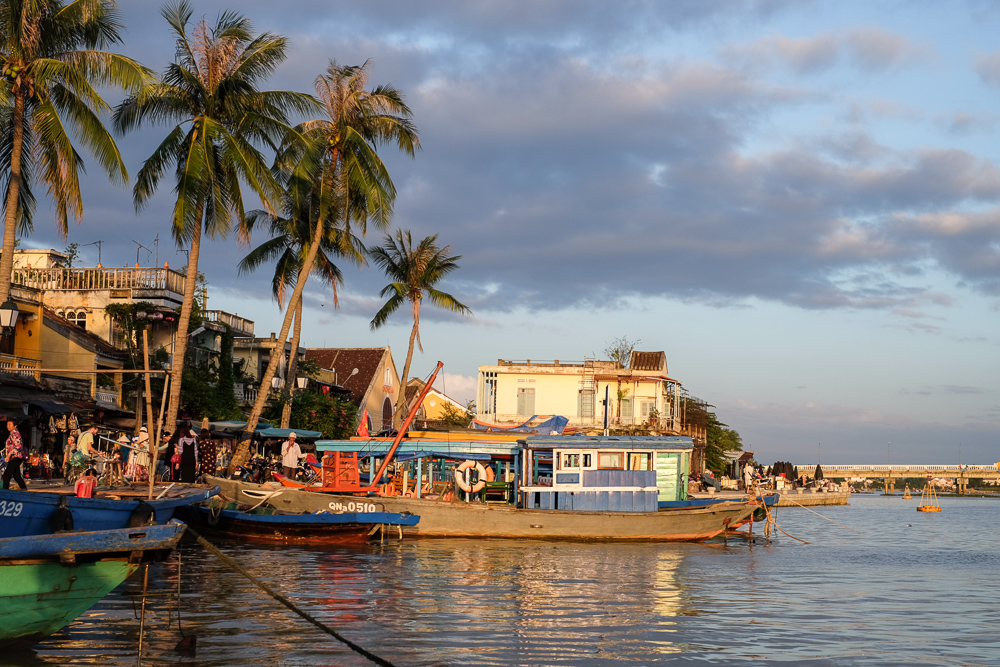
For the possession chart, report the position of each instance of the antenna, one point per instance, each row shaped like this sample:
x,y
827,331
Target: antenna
x,y
98,244
137,246
156,244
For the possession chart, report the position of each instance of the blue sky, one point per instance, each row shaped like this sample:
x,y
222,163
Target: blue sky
x,y
796,201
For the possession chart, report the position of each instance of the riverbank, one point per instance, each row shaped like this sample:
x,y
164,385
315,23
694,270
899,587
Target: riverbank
x,y
792,497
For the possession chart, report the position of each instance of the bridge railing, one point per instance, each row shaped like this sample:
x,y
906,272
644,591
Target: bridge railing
x,y
899,467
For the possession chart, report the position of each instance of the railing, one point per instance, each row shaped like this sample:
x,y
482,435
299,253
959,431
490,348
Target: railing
x,y
19,365
235,322
101,279
109,396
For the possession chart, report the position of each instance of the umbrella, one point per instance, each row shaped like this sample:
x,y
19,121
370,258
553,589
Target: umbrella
x,y
819,472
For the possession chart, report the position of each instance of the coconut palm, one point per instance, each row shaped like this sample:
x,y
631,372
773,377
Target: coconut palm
x,y
348,180
52,65
211,93
287,248
414,272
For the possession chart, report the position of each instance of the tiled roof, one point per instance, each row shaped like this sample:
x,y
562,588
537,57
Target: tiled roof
x,y
345,360
648,361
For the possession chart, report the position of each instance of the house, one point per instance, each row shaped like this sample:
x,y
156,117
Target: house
x,y
433,406
590,393
369,373
65,347
254,354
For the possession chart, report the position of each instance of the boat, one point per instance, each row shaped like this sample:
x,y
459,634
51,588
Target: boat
x,y
49,580
928,500
264,523
25,513
458,519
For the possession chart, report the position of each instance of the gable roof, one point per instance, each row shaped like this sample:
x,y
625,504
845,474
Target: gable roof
x,y
344,360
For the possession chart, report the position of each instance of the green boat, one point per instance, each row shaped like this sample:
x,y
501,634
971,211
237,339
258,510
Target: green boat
x,y
46,581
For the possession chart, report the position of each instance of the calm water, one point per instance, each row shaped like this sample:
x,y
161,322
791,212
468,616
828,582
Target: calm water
x,y
909,587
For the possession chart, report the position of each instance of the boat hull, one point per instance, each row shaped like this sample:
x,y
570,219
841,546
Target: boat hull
x,y
306,530
24,513
49,580
442,519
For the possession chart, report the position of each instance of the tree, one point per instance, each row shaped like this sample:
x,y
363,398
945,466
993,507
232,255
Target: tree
x,y
211,93
414,272
288,247
337,165
718,440
52,66
620,350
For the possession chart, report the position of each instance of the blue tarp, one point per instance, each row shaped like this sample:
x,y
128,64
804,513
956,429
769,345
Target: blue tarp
x,y
554,425
409,456
283,433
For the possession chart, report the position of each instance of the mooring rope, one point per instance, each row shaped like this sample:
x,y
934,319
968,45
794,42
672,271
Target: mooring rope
x,y
771,522
824,517
285,601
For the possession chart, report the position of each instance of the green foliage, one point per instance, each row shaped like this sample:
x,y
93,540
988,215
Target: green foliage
x,y
226,405
72,252
620,350
720,438
455,417
314,411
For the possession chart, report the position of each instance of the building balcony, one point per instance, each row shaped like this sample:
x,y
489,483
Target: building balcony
x,y
126,279
19,365
239,325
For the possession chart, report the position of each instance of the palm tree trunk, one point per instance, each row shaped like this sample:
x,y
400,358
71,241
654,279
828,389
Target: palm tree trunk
x,y
181,338
293,365
397,417
13,192
240,455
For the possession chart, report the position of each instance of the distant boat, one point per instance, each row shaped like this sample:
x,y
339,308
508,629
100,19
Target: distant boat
x,y
26,513
265,524
49,580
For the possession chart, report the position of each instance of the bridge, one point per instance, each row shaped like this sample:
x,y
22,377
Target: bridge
x,y
961,472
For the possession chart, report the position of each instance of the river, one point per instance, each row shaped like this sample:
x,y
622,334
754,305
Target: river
x,y
906,587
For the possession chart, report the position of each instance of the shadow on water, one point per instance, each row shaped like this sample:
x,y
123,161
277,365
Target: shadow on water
x,y
910,587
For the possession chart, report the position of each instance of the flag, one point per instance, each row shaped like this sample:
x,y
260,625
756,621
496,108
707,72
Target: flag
x,y
363,426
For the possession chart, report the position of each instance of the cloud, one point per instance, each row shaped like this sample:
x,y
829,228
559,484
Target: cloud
x,y
987,66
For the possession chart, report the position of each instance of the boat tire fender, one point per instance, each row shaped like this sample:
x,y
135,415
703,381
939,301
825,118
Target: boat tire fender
x,y
460,476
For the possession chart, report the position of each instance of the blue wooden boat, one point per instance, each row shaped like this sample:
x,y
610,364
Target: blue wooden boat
x,y
25,513
49,580
266,524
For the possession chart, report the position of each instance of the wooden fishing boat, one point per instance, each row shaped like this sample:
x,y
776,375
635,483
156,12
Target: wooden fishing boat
x,y
478,520
49,580
25,513
266,524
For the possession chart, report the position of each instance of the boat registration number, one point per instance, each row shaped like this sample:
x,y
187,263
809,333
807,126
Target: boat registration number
x,y
10,508
353,507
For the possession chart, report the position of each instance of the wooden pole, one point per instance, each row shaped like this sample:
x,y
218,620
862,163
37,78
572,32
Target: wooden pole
x,y
149,391
155,444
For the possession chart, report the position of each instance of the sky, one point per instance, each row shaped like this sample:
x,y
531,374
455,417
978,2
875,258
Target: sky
x,y
796,201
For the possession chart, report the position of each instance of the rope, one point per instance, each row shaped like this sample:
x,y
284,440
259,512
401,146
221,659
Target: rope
x,y
823,517
771,523
285,601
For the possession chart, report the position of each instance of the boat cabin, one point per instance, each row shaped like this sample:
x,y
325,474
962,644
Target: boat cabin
x,y
619,474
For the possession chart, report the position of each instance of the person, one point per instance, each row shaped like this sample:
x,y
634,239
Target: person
x,y
187,448
747,476
165,455
138,463
207,452
14,456
86,446
290,455
68,451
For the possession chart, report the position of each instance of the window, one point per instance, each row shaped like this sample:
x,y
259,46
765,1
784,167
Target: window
x,y
488,405
611,460
387,413
585,403
526,402
570,462
645,409
79,318
388,377
639,461
625,410
588,460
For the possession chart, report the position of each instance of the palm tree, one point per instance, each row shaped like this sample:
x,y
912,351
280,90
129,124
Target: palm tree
x,y
51,67
414,271
288,248
339,162
211,93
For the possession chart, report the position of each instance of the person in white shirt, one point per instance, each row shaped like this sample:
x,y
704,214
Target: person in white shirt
x,y
290,455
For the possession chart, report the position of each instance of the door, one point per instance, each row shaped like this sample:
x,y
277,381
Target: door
x,y
525,402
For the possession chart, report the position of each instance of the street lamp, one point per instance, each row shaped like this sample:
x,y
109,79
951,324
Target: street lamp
x,y
8,314
301,382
